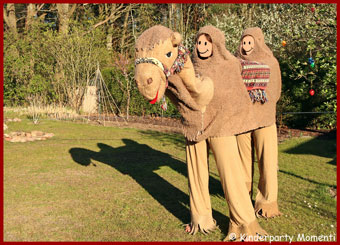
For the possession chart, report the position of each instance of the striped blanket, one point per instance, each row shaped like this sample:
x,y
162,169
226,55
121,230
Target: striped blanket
x,y
255,76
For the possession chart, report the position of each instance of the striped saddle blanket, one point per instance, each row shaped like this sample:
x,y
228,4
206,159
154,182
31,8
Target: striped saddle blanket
x,y
255,76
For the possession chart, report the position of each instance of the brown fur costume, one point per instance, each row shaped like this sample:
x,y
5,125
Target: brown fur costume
x,y
162,44
207,124
265,138
265,113
227,114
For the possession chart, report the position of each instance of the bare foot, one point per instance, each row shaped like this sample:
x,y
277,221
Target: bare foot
x,y
188,228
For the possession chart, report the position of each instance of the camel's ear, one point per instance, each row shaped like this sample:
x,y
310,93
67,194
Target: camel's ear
x,y
176,38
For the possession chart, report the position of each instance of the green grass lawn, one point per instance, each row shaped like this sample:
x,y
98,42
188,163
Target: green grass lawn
x,y
95,183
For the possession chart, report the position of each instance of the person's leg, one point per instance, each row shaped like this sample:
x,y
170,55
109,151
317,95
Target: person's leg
x,y
244,143
266,146
242,216
198,177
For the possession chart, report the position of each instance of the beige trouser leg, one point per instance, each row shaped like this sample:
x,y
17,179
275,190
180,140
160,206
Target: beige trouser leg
x,y
198,177
244,143
242,216
265,141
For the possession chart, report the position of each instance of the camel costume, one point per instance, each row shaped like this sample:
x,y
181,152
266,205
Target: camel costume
x,y
224,117
211,115
265,138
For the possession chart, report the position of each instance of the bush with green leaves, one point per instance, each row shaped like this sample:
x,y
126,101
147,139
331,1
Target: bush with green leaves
x,y
57,67
309,31
27,69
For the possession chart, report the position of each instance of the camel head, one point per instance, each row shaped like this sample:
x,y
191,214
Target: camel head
x,y
156,51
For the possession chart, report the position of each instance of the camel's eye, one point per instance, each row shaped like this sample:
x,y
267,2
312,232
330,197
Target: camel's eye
x,y
169,54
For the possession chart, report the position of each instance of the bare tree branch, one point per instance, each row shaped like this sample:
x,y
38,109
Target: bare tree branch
x,y
73,8
115,14
40,7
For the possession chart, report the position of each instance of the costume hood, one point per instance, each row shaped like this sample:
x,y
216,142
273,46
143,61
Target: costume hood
x,y
228,112
266,113
219,50
261,50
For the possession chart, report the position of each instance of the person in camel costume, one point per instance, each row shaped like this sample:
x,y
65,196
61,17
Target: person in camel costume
x,y
252,48
213,107
211,59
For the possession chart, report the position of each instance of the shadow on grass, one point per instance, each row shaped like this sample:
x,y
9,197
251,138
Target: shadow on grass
x,y
165,138
140,162
309,180
323,146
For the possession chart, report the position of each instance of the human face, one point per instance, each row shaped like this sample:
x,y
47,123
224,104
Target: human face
x,y
204,47
248,44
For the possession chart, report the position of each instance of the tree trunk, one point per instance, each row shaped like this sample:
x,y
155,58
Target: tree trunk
x,y
186,27
170,15
65,12
174,16
10,18
250,14
31,12
181,20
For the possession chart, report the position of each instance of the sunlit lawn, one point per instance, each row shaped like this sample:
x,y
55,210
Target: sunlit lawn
x,y
95,183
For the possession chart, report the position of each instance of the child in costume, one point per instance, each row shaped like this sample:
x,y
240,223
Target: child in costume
x,y
253,52
211,59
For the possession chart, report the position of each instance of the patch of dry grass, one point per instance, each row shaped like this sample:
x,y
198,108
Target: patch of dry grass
x,y
36,112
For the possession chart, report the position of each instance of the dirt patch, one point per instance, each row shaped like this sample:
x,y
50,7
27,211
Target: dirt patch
x,y
27,136
12,120
286,133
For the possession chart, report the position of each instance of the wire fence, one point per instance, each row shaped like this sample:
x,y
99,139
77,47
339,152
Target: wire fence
x,y
307,112
107,117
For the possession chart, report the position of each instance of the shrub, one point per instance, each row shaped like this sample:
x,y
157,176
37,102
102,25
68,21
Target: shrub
x,y
309,31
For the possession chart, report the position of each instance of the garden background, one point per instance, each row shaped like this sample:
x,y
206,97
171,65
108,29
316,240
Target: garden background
x,y
51,52
121,182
